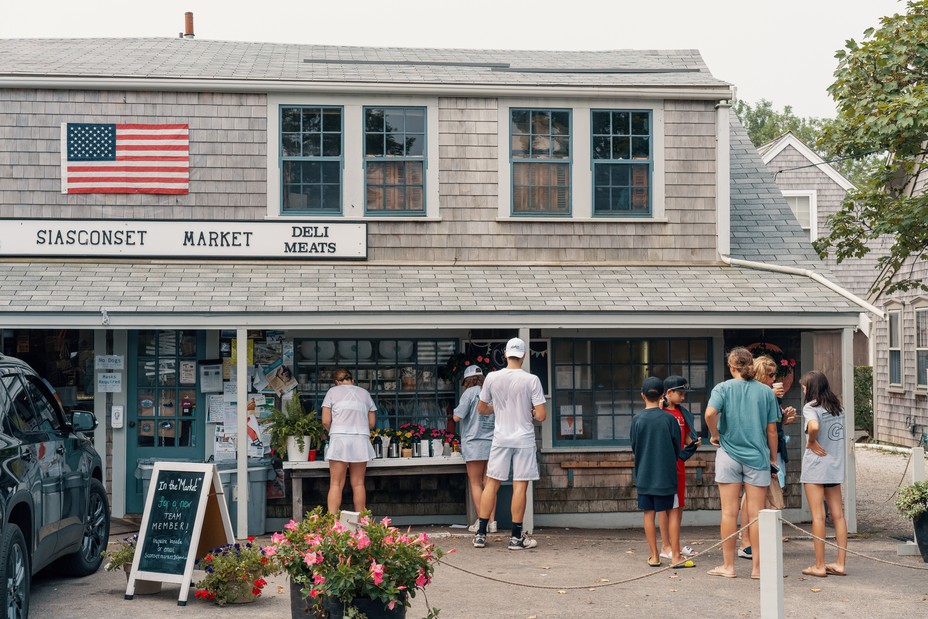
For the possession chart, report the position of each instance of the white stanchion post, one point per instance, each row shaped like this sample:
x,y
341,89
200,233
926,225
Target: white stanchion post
x,y
771,564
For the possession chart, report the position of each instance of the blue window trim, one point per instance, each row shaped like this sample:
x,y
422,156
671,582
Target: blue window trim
x,y
566,160
557,443
340,159
650,162
424,159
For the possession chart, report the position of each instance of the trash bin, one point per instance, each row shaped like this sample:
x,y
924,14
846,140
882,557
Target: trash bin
x,y
259,473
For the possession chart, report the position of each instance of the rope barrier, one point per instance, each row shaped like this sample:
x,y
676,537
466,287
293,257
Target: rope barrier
x,y
597,585
671,567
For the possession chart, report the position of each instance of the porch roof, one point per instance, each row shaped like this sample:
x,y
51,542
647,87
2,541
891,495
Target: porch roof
x,y
264,295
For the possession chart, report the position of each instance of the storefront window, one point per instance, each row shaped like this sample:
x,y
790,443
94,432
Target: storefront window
x,y
64,357
597,384
401,375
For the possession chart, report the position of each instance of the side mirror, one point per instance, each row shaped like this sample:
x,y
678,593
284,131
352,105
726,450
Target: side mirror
x,y
83,421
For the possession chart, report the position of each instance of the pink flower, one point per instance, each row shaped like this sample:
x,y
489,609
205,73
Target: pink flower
x,y
792,362
278,538
270,551
386,522
376,572
290,526
318,579
784,362
420,579
312,558
363,540
392,604
314,593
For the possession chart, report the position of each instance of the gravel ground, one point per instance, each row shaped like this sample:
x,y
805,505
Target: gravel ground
x,y
879,474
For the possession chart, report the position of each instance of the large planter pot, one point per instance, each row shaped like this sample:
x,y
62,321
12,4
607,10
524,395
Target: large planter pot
x,y
294,453
921,535
372,609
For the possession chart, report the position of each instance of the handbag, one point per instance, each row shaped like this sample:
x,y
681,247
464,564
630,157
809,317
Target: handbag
x,y
775,494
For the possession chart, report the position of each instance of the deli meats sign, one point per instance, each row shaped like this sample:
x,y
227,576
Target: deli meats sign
x,y
107,238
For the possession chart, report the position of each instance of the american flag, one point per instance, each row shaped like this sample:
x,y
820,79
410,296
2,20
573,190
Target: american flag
x,y
107,158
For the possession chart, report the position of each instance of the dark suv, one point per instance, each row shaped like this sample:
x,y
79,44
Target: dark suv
x,y
52,499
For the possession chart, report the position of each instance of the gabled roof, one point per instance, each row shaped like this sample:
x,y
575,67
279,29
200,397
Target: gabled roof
x,y
771,149
763,228
244,62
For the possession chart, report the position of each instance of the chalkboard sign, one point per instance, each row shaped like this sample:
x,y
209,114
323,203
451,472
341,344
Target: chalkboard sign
x,y
169,532
185,517
496,351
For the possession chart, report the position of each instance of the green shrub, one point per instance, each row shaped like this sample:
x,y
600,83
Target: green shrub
x,y
863,398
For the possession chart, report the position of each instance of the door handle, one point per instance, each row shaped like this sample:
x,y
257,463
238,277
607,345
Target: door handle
x,y
131,424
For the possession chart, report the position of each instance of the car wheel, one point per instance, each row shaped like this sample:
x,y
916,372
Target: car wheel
x,y
15,574
88,558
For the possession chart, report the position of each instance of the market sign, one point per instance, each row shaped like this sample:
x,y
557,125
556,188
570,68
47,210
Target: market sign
x,y
109,238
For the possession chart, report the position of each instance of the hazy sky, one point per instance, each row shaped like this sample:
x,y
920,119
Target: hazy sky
x,y
782,50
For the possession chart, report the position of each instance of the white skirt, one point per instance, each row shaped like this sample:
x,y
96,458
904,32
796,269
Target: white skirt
x,y
350,448
478,449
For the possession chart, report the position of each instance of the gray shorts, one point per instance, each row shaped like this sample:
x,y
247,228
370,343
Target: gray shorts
x,y
476,449
729,471
522,460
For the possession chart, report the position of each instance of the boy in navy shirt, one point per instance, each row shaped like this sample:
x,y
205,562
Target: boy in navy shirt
x,y
655,439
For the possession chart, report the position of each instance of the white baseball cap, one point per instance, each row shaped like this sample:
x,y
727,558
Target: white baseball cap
x,y
473,370
515,348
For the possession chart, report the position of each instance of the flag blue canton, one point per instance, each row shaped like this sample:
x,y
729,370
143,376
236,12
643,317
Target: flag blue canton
x,y
91,142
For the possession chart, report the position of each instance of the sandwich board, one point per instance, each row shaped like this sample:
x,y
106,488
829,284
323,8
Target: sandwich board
x,y
185,517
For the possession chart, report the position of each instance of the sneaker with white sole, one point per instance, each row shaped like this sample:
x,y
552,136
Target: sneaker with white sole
x,y
745,553
474,527
521,543
491,527
480,540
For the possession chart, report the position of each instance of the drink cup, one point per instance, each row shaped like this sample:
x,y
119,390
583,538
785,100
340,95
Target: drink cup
x,y
777,385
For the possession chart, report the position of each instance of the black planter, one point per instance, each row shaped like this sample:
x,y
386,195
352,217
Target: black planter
x,y
921,535
373,609
333,609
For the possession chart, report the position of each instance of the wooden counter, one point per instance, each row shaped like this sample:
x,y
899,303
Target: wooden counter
x,y
439,465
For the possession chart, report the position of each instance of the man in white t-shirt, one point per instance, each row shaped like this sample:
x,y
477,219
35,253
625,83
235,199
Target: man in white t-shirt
x,y
516,398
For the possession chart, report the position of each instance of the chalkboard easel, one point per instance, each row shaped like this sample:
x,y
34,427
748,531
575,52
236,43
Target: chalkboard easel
x,y
185,517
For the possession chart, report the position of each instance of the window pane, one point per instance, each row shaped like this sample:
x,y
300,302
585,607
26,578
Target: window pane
x,y
374,145
640,124
312,120
560,123
519,121
520,146
332,120
415,145
621,148
922,367
290,120
800,207
641,148
602,147
330,172
394,145
894,329
394,120
620,123
921,328
895,367
311,145
373,120
290,145
415,121
601,123
331,145
541,122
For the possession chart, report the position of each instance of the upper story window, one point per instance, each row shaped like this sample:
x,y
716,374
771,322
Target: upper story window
x,y
895,348
540,159
311,160
921,348
804,207
622,162
394,158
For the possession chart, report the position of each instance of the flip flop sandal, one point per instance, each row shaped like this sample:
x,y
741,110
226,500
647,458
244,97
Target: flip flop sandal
x,y
654,564
717,571
809,572
686,563
833,572
666,555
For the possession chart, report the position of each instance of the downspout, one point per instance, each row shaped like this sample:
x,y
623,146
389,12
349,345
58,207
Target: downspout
x,y
763,266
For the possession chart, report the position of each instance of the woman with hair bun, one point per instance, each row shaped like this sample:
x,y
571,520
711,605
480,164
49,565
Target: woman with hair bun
x,y
823,464
742,416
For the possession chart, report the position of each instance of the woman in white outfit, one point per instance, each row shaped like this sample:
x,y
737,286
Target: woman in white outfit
x,y
348,413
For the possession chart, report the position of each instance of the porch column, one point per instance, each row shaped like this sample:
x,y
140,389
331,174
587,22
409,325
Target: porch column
x,y
847,390
241,447
528,522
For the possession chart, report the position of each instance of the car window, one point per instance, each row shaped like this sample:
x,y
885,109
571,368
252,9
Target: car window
x,y
6,410
23,418
44,408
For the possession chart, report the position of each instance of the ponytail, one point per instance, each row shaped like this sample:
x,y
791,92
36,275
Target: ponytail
x,y
741,360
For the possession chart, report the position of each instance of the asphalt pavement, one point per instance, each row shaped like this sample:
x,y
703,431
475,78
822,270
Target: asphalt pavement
x,y
572,573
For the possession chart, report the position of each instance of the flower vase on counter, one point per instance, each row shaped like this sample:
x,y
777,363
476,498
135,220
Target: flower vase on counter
x,y
424,448
417,449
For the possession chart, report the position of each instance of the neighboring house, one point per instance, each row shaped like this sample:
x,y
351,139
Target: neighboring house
x,y
814,190
386,209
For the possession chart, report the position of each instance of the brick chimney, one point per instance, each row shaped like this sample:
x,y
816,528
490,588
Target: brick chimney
x,y
188,25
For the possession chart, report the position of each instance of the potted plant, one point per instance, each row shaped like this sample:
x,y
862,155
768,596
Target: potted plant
x,y
912,502
294,432
234,573
373,569
121,559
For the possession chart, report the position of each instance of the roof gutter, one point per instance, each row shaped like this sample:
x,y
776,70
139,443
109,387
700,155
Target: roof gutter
x,y
763,266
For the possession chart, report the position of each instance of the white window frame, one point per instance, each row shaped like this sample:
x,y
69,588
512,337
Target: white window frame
x,y
581,172
895,309
919,305
812,194
353,185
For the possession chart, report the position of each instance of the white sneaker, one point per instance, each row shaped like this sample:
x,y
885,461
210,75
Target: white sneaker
x,y
491,527
522,543
473,528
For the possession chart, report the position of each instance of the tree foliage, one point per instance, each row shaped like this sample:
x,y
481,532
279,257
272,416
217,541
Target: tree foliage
x,y
880,90
765,124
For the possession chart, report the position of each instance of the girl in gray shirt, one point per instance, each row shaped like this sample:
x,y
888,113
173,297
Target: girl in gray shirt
x,y
823,465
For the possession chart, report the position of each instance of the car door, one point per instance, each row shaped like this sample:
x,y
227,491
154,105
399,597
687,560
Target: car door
x,y
72,476
38,457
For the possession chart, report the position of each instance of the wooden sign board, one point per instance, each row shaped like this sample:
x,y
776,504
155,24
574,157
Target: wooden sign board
x,y
185,518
